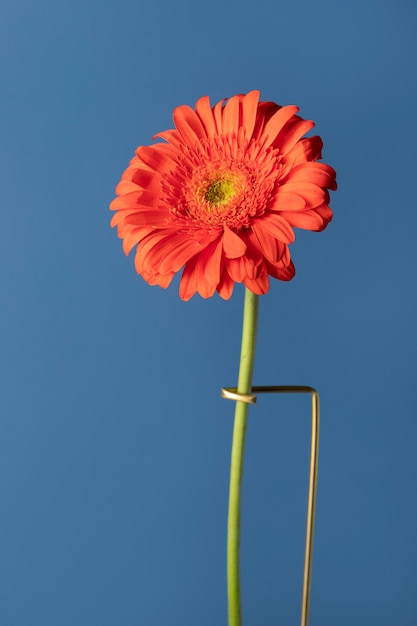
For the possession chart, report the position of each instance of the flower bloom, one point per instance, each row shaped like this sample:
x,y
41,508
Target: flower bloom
x,y
221,194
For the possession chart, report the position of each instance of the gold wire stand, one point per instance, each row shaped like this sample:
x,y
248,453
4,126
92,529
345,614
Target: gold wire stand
x,y
230,393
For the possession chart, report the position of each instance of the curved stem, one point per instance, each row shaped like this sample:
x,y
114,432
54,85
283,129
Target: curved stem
x,y
247,358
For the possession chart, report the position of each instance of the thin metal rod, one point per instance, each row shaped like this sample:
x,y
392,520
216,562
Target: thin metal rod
x,y
230,393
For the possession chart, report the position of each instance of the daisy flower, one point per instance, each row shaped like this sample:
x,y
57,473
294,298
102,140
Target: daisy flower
x,y
219,196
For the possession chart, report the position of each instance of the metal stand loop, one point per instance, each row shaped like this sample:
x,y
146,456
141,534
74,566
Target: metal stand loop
x,y
230,393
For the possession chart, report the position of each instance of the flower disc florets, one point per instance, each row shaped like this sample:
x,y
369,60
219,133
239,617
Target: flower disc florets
x,y
220,198
217,189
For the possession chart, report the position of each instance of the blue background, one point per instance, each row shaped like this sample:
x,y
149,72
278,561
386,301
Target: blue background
x,y
114,440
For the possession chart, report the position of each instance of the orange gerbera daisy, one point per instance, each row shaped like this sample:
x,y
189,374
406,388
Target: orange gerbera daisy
x,y
221,197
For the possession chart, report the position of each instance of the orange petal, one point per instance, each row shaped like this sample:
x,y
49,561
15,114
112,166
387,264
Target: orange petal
x,y
325,212
226,285
172,254
251,268
142,176
217,114
126,186
208,266
281,273
254,252
231,115
171,136
313,195
249,111
134,173
276,226
287,201
156,218
259,124
119,216
144,247
270,246
130,240
289,138
204,288
188,124
233,245
134,199
236,269
319,174
203,110
260,284
188,283
308,220
276,124
305,150
157,157
162,280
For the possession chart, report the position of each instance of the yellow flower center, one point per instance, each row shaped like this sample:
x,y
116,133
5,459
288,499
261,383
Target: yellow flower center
x,y
220,191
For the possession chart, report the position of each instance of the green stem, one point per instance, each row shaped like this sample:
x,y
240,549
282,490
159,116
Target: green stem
x,y
247,357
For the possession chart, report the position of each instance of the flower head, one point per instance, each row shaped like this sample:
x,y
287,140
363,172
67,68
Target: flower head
x,y
220,195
